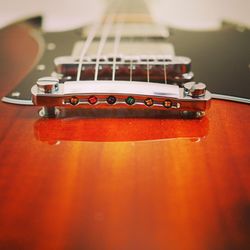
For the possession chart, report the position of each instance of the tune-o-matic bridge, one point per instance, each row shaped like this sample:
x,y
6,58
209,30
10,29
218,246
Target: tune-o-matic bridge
x,y
192,98
147,68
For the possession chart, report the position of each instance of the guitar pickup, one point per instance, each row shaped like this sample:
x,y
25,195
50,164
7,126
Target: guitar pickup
x,y
192,98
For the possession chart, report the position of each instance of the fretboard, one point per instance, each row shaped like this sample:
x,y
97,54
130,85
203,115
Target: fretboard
x,y
127,7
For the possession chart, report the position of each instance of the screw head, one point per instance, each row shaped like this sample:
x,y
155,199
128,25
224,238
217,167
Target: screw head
x,y
149,102
111,100
130,100
47,84
74,100
167,104
92,100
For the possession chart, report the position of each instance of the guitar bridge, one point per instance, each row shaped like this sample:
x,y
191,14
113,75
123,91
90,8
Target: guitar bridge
x,y
159,69
191,98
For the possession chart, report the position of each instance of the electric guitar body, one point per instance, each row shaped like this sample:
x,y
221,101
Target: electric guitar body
x,y
118,179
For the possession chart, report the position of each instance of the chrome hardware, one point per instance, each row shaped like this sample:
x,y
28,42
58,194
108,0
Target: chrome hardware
x,y
133,30
47,85
152,68
194,89
119,94
143,59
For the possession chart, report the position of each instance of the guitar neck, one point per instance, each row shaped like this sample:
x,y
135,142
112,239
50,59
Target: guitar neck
x,y
130,7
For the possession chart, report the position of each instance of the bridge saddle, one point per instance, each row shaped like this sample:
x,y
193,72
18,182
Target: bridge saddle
x,y
191,98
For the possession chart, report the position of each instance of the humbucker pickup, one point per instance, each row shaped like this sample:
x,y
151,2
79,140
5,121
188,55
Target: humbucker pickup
x,y
49,93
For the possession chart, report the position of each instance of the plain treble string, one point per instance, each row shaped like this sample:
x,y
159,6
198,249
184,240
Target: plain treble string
x,y
116,47
104,35
86,45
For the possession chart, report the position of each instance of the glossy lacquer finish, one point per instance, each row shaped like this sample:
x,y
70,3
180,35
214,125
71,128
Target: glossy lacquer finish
x,y
119,183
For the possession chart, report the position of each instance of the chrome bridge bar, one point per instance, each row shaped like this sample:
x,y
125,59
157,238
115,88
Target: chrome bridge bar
x,y
49,93
161,69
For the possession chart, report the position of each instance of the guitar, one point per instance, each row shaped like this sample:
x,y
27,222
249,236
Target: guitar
x,y
110,178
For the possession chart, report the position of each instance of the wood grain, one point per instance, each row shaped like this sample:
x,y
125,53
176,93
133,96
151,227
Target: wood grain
x,y
175,184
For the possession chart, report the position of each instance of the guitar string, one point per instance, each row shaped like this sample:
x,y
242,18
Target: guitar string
x,y
131,70
125,6
118,34
90,38
165,72
86,46
104,35
147,69
131,41
107,26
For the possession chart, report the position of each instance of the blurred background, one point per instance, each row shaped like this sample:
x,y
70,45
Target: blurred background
x,y
68,14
